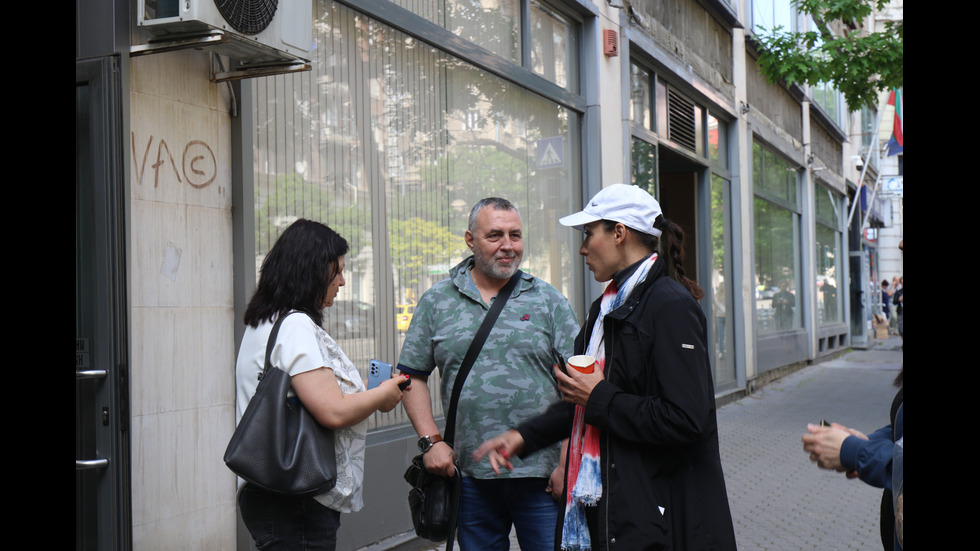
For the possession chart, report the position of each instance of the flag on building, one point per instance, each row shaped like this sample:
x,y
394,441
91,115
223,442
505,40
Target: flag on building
x,y
891,123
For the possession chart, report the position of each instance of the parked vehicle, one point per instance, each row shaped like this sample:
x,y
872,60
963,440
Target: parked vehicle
x,y
403,316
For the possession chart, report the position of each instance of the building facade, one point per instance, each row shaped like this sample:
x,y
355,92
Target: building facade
x,y
410,112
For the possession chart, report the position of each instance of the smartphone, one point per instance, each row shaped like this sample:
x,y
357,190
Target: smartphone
x,y
559,360
378,371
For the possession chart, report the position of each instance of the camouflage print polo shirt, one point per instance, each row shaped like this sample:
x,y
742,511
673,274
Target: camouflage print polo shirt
x,y
511,379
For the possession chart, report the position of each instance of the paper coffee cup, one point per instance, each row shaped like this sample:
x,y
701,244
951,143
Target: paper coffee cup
x,y
582,363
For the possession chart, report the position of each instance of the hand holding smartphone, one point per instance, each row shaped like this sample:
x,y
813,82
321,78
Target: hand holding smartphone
x,y
559,360
378,371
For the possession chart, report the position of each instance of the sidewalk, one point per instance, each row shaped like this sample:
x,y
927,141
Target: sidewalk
x,y
780,500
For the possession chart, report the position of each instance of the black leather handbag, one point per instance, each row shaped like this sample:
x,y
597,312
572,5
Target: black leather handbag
x,y
278,445
434,499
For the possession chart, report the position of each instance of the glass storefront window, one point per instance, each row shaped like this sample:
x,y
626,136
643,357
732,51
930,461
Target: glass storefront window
x,y
830,300
554,47
776,233
723,328
829,297
717,142
643,165
641,97
827,206
496,25
772,174
777,301
391,141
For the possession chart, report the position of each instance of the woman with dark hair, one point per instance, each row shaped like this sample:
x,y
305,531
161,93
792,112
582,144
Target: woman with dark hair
x,y
643,468
303,273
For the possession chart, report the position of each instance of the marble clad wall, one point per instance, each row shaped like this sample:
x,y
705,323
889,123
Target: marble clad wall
x,y
181,297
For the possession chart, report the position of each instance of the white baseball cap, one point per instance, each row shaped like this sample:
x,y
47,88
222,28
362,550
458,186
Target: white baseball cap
x,y
630,205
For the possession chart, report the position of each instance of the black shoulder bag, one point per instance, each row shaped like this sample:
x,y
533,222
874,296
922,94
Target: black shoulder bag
x,y
434,499
278,445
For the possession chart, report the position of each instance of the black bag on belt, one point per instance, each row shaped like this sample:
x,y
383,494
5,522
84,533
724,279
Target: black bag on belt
x,y
434,499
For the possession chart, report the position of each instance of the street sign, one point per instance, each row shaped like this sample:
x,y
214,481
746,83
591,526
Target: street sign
x,y
894,184
549,152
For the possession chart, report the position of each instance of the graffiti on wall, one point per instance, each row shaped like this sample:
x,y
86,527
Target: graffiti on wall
x,y
198,166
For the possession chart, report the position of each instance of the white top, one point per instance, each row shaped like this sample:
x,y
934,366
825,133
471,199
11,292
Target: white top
x,y
303,346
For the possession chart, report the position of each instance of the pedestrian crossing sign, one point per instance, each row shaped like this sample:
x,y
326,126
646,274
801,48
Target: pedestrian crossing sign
x,y
549,152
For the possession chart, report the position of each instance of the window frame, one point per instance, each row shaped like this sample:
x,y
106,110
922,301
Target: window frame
x,y
835,225
521,73
795,209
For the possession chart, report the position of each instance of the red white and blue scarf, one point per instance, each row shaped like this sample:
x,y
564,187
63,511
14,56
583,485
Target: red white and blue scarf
x,y
584,477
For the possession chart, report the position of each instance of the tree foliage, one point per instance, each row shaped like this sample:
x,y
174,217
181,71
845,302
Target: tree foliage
x,y
290,197
416,243
858,63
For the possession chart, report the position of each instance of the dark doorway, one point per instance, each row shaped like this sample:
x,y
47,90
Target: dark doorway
x,y
678,196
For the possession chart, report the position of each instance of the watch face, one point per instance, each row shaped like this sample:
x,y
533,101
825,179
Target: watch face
x,y
424,444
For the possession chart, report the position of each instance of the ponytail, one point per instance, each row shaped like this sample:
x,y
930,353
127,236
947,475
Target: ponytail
x,y
672,247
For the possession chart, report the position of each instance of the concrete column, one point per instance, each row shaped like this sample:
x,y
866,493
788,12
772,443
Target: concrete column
x,y
808,292
615,145
741,157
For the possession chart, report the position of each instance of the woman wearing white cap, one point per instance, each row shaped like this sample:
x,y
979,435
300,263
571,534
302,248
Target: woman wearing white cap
x,y
643,468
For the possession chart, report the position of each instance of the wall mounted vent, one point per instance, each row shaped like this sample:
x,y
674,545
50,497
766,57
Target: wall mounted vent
x,y
681,121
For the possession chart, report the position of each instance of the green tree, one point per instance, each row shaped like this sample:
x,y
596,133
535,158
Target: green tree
x,y
291,197
859,64
416,243
481,168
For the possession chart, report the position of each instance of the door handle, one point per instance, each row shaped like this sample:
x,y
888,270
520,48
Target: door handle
x,y
91,374
88,464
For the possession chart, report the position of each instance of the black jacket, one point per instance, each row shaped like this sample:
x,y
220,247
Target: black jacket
x,y
656,410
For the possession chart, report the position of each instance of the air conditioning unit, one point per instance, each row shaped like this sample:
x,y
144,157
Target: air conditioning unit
x,y
255,32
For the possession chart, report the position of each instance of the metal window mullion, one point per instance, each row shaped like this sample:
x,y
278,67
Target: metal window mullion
x,y
526,34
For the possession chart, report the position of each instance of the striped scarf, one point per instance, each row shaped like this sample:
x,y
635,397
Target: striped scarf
x,y
584,477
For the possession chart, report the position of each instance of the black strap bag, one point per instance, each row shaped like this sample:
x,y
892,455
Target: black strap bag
x,y
278,445
434,499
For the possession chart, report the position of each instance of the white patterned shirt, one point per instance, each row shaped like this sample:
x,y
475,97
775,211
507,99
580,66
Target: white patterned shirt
x,y
303,346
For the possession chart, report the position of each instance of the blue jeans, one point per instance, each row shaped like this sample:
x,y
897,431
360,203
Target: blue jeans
x,y
488,508
286,523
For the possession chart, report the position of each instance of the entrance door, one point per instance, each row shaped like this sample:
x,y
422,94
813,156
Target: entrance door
x,y
678,196
102,495
706,241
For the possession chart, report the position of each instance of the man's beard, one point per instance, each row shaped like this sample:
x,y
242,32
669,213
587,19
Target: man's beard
x,y
488,266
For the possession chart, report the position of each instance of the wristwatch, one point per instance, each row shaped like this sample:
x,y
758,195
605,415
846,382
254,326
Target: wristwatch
x,y
426,442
